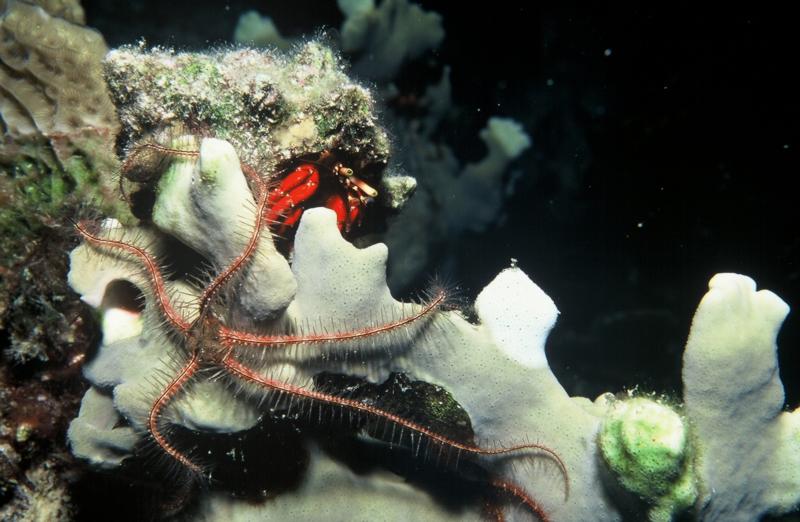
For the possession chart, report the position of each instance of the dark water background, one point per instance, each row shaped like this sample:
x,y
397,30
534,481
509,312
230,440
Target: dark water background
x,y
665,149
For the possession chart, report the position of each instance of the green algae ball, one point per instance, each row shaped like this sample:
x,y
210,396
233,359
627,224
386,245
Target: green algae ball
x,y
644,443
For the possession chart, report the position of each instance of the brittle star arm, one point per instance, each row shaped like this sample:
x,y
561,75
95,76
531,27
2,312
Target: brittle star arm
x,y
243,372
252,243
232,337
172,316
140,154
163,400
515,491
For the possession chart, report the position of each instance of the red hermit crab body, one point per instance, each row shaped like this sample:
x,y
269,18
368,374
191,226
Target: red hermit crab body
x,y
322,182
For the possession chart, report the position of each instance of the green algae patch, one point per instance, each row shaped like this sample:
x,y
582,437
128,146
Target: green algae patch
x,y
645,444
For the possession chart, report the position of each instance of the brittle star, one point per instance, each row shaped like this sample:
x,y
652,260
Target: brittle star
x,y
208,342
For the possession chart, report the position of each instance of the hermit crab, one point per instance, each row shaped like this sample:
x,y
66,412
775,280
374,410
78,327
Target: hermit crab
x,y
326,181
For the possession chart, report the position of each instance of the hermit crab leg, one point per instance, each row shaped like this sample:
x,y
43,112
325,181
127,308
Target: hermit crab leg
x,y
291,220
359,192
293,180
297,187
354,205
336,203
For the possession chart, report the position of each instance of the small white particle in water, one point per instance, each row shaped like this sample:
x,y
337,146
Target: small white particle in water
x,y
607,52
640,224
785,145
550,82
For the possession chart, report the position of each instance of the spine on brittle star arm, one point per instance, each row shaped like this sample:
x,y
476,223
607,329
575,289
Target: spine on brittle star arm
x,y
252,376
151,267
155,413
149,160
517,492
252,243
151,155
231,337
